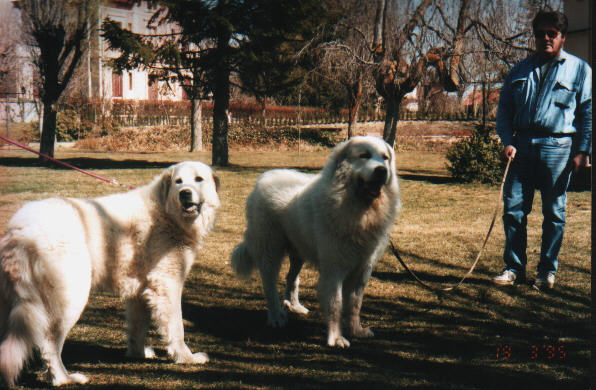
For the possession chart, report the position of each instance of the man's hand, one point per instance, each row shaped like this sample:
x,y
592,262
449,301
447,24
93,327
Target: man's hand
x,y
509,152
581,160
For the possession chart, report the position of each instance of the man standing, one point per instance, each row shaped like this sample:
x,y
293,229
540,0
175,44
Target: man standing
x,y
544,121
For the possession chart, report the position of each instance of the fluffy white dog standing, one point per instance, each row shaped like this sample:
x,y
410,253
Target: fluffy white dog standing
x,y
339,219
140,244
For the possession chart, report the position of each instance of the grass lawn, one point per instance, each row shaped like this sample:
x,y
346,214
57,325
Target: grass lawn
x,y
478,337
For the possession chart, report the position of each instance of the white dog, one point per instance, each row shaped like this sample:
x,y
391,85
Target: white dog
x,y
140,244
339,219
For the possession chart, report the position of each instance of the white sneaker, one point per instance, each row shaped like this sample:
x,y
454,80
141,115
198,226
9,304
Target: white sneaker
x,y
544,282
506,278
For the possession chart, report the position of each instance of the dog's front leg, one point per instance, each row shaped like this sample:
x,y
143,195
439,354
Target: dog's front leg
x,y
166,304
353,290
137,319
330,296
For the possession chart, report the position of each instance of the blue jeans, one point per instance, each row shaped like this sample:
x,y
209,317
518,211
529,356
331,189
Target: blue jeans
x,y
540,163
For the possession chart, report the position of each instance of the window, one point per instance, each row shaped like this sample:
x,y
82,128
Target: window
x,y
130,80
116,84
153,93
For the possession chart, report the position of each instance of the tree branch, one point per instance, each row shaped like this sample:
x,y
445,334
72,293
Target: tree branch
x,y
347,49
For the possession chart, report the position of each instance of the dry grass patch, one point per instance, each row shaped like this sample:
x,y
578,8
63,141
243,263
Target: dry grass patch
x,y
421,341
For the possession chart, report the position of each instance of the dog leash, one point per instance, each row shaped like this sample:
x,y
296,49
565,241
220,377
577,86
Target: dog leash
x,y
65,164
490,229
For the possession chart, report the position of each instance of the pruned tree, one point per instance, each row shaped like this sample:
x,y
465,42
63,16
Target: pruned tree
x,y
55,31
402,61
405,42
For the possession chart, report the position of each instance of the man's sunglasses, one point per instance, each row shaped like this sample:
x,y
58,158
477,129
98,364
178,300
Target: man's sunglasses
x,y
552,34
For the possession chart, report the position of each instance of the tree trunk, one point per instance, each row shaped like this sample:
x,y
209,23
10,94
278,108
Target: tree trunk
x,y
263,103
352,114
221,91
196,125
48,132
483,104
221,104
391,118
355,94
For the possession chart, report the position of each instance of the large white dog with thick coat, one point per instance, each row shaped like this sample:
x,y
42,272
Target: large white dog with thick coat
x,y
339,219
140,244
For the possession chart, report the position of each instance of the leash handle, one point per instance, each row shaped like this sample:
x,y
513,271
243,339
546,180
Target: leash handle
x,y
65,164
490,229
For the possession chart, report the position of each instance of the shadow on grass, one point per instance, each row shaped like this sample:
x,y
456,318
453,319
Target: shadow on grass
x,y
263,168
417,345
241,325
429,178
104,163
85,163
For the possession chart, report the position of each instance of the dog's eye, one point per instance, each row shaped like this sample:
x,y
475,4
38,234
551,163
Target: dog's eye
x,y
198,179
385,157
365,155
178,181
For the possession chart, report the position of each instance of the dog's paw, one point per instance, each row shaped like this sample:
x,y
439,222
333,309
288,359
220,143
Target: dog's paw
x,y
295,308
200,358
145,353
362,332
339,341
278,319
149,353
71,379
193,358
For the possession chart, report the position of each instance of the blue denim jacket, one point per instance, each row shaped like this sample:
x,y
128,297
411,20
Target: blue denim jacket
x,y
562,106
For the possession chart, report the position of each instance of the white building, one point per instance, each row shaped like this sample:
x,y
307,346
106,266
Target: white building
x,y
106,83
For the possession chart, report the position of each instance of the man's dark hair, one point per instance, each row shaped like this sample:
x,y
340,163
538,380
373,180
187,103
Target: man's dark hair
x,y
555,19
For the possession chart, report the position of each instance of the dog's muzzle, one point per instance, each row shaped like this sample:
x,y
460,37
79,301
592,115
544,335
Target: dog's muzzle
x,y
372,188
190,207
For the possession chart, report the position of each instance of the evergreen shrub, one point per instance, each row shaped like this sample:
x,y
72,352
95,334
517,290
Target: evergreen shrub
x,y
477,159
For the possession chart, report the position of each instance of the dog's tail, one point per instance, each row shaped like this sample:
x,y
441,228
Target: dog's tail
x,y
23,320
242,262
21,337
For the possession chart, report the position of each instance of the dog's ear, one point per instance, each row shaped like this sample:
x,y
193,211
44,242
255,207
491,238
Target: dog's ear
x,y
339,154
392,162
216,181
391,152
336,169
165,182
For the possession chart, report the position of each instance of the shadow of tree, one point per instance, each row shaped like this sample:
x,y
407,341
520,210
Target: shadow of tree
x,y
86,163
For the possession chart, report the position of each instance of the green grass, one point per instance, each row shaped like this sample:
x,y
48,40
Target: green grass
x,y
421,341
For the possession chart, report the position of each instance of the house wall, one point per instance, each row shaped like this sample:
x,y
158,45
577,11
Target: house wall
x,y
579,34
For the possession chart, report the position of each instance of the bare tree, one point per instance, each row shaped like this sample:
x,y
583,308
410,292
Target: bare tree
x,y
346,59
502,37
414,50
55,31
10,31
401,48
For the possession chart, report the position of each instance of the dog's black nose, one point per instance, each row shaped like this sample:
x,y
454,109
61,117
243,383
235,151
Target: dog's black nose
x,y
185,196
380,174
